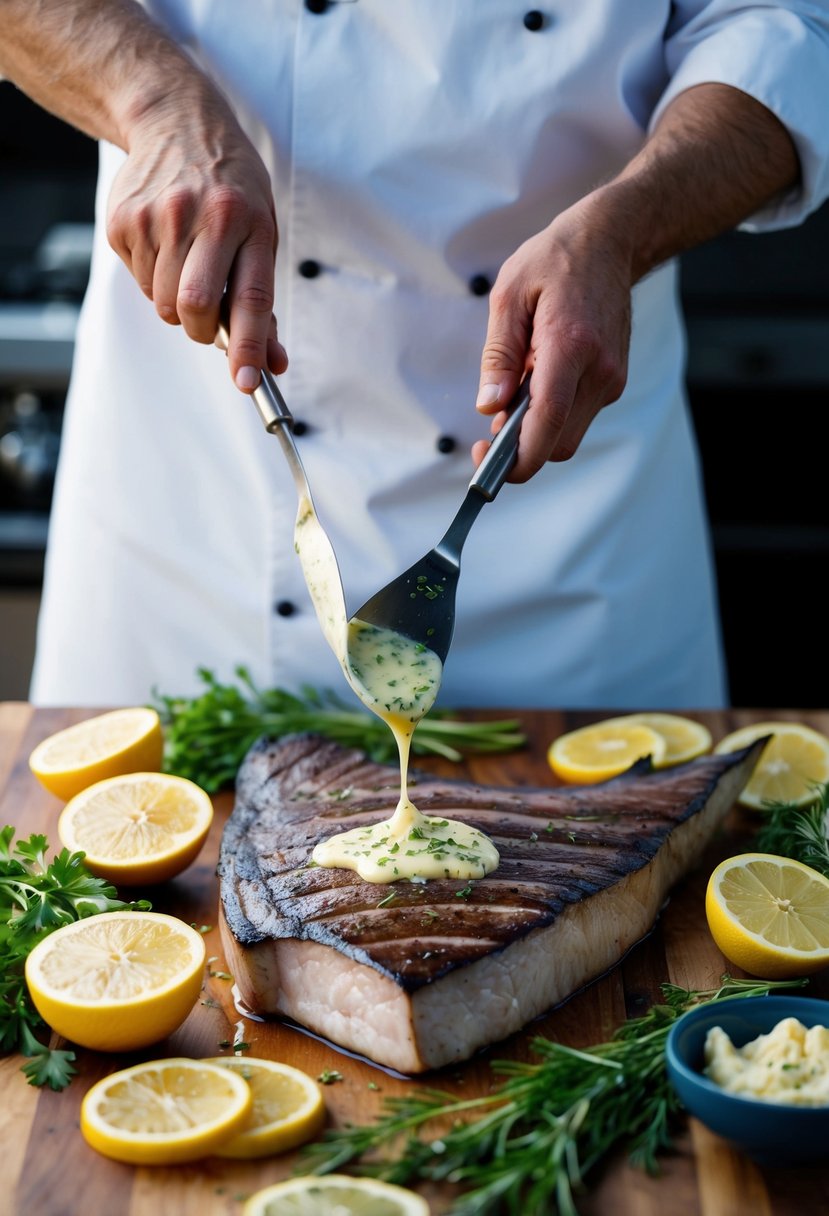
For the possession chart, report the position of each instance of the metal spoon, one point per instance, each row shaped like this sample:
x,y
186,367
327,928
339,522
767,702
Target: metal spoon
x,y
316,553
420,604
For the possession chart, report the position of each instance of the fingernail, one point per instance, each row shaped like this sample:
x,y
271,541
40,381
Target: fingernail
x,y
488,394
247,379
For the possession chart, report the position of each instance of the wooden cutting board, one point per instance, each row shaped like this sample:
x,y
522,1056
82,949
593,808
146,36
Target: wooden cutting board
x,y
50,1171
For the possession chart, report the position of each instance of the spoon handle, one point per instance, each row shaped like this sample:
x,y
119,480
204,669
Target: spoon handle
x,y
274,412
492,471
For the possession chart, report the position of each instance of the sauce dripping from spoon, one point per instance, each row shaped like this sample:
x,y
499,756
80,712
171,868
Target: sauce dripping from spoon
x,y
398,679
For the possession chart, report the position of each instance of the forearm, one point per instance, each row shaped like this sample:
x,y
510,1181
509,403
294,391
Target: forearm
x,y
101,65
716,157
562,302
191,212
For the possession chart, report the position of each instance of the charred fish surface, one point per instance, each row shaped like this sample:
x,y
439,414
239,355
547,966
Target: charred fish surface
x,y
420,975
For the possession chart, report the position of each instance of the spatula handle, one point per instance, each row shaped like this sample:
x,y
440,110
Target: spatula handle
x,y
493,469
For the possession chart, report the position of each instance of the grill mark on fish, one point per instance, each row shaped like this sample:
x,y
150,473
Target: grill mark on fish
x,y
561,850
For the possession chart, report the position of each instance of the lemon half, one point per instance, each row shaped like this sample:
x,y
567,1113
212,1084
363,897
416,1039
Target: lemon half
x,y
288,1107
597,752
792,763
165,1111
335,1195
138,829
117,981
122,741
769,915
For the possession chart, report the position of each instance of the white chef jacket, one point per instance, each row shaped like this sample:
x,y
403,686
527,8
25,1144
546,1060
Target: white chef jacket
x,y
412,148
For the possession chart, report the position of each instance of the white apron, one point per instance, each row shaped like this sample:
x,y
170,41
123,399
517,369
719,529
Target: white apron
x,y
412,147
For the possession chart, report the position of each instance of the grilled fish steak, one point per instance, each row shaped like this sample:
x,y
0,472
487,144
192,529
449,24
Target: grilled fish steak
x,y
420,975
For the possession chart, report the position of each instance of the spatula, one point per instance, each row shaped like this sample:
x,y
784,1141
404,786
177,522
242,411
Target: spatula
x,y
420,604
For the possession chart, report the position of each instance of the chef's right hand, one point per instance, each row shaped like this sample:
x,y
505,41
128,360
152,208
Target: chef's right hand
x,y
190,212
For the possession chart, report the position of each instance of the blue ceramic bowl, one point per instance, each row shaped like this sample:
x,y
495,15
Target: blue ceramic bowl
x,y
772,1133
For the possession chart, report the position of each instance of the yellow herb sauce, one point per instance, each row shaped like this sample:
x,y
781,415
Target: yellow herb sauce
x,y
398,679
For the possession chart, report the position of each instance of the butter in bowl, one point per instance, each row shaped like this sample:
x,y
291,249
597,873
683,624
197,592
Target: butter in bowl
x,y
769,1095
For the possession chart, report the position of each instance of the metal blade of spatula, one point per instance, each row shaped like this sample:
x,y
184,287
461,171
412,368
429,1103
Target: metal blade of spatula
x,y
420,603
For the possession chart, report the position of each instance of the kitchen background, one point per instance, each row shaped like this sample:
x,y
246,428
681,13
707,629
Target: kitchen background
x,y
758,318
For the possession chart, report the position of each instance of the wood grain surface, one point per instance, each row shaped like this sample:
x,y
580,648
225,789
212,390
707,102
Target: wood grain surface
x,y
50,1171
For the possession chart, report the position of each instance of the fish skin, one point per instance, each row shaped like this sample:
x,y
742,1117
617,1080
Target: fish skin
x,y
604,855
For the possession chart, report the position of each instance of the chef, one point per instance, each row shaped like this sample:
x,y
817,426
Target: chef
x,y
453,192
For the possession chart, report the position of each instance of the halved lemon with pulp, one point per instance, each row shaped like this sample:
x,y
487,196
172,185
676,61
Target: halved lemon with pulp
x,y
335,1195
597,752
163,1112
117,981
685,738
288,1107
137,829
121,741
769,915
792,763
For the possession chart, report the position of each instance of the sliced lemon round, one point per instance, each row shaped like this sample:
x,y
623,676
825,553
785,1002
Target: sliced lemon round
x,y
122,741
138,829
335,1195
288,1107
769,915
597,752
163,1112
118,981
792,764
685,738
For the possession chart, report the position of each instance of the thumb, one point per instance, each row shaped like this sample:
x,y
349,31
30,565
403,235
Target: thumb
x,y
504,358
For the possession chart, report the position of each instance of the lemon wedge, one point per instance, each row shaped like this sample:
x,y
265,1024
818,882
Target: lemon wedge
x,y
769,915
792,764
597,752
118,981
685,738
335,1195
122,741
288,1107
163,1112
138,829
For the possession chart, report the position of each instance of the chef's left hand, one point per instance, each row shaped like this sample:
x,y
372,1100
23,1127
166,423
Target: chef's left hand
x,y
561,304
561,307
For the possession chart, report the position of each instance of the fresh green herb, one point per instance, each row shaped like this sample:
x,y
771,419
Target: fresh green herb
x,y
387,900
328,1076
798,831
465,892
207,736
541,1131
37,897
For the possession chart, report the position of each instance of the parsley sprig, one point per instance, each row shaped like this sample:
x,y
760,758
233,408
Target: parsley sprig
x,y
798,831
538,1134
207,736
37,897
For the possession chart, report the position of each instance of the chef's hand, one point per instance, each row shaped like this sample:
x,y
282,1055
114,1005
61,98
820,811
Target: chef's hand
x,y
561,303
561,307
191,210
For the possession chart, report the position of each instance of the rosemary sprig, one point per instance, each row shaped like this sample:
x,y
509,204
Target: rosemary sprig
x,y
537,1136
207,736
797,831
